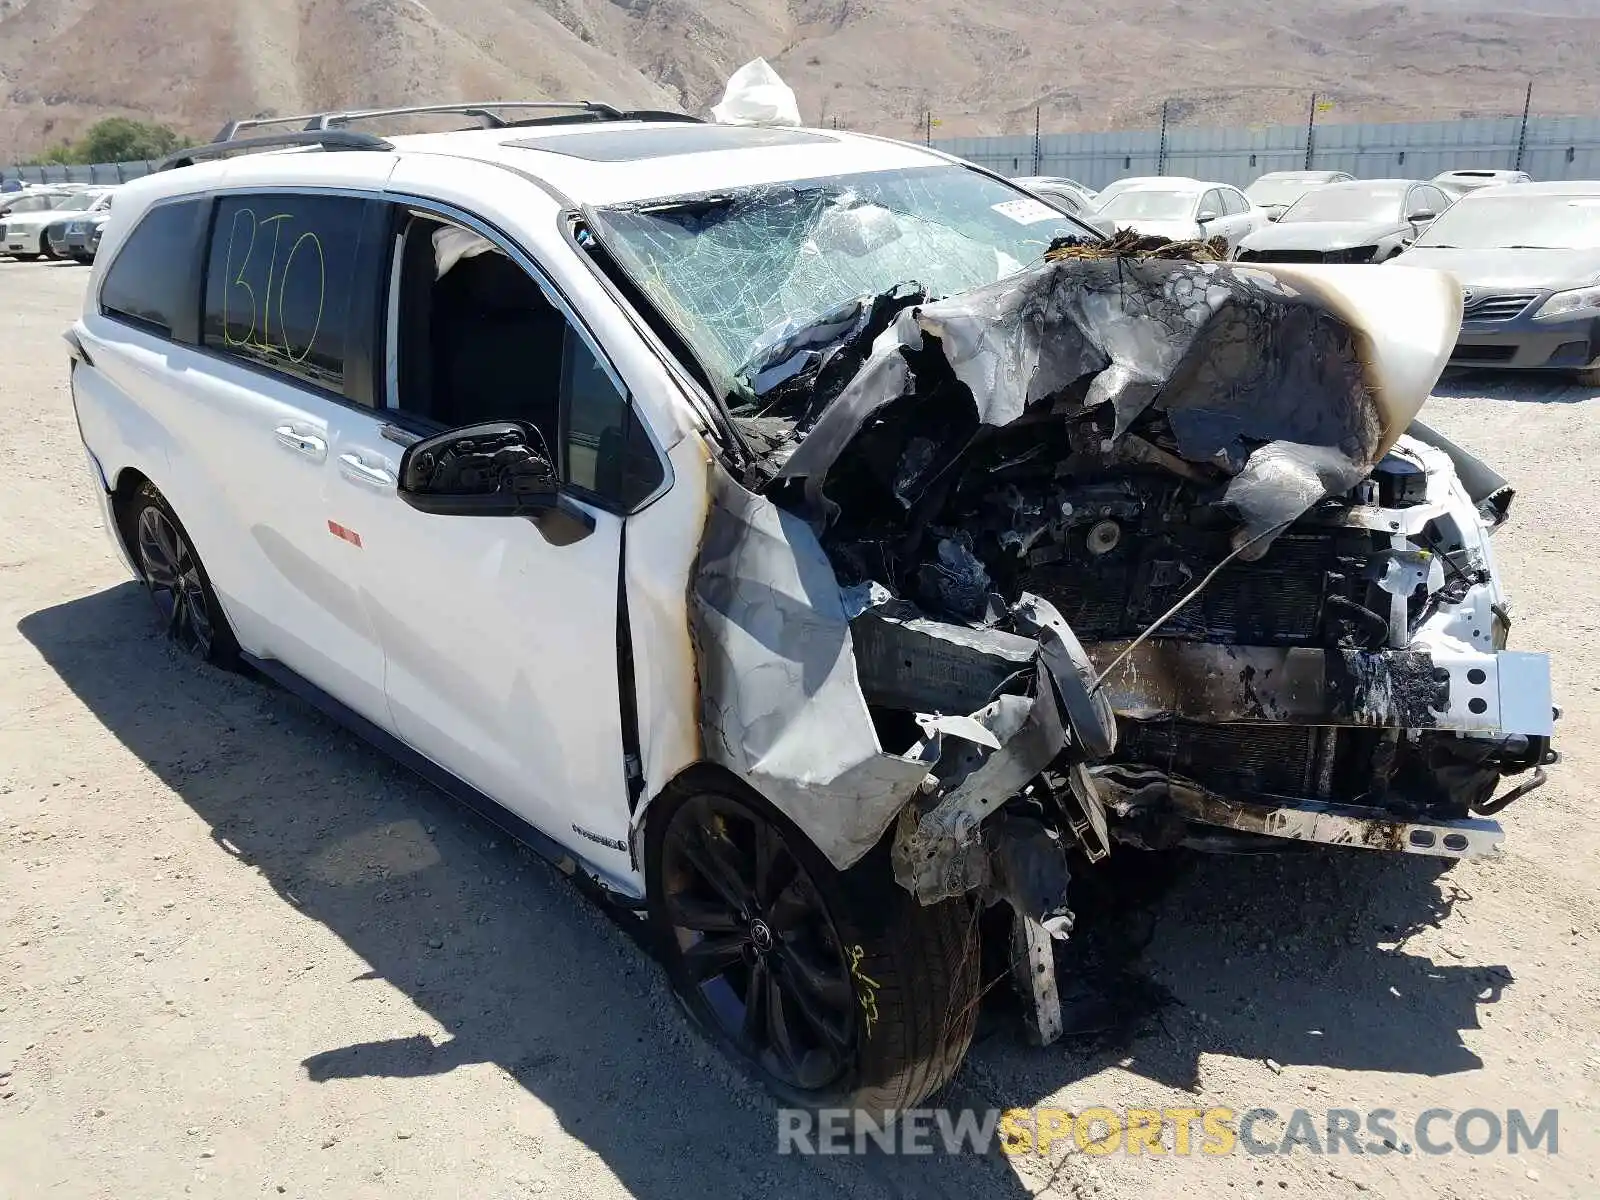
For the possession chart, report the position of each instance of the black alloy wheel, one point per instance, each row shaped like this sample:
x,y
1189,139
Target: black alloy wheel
x,y
176,581
172,576
761,958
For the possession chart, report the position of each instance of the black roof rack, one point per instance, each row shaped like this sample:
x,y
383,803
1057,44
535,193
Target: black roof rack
x,y
328,139
487,113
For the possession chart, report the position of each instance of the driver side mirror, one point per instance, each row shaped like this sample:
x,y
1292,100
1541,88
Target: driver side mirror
x,y
1275,214
1422,216
500,469
1206,217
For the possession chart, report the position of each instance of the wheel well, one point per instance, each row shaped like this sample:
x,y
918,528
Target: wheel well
x,y
695,777
129,481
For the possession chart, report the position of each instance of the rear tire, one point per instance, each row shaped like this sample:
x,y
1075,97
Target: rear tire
x,y
863,998
1589,377
176,580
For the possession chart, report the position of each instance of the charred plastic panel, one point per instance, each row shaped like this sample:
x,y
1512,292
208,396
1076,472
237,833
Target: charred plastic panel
x,y
1271,388
780,700
908,661
1393,689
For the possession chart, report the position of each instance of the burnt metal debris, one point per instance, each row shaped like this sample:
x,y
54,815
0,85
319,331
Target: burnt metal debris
x,y
966,509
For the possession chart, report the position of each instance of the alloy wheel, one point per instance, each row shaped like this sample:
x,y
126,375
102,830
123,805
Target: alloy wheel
x,y
763,960
172,576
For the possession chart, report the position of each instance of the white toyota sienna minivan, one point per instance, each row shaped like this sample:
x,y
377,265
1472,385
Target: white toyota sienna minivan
x,y
809,539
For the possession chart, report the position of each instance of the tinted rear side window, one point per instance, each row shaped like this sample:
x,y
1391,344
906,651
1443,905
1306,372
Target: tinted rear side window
x,y
279,281
152,280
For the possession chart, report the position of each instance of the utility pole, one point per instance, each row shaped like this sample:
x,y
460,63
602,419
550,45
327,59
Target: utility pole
x,y
1522,136
1311,131
927,137
1036,139
1161,153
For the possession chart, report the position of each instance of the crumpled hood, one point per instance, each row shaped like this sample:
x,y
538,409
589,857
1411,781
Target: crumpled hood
x,y
1291,380
1320,235
1532,269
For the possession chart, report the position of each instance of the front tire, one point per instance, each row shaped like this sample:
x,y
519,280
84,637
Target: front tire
x,y
836,989
177,582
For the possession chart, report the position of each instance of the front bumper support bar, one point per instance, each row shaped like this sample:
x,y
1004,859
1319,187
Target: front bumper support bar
x,y
1339,825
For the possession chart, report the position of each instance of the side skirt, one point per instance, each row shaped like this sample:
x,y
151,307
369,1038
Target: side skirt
x,y
601,884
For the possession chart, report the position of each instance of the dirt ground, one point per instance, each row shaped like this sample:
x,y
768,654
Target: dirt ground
x,y
244,955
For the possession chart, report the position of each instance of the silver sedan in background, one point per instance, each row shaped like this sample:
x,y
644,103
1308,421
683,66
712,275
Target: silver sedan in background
x,y
1277,190
1528,259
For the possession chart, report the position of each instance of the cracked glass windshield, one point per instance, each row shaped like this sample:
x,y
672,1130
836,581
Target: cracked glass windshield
x,y
740,273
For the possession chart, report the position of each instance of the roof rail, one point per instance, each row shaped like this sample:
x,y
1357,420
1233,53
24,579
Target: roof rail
x,y
484,110
328,139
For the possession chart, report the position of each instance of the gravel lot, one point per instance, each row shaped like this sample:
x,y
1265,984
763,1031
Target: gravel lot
x,y
244,955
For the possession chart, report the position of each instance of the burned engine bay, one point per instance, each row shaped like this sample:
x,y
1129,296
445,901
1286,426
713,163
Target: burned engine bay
x,y
1127,547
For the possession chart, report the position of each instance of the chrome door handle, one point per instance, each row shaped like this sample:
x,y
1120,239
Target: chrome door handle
x,y
304,443
351,467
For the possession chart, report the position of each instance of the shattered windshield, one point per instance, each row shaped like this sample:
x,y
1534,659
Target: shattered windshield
x,y
740,273
1142,204
1524,222
1347,204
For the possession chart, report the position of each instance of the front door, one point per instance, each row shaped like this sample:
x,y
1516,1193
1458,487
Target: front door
x,y
499,635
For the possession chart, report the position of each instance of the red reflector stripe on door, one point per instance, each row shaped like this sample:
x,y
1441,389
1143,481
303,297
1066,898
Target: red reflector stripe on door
x,y
349,535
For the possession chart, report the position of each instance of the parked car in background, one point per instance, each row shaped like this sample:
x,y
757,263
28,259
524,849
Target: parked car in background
x,y
1456,184
1117,186
69,237
1362,221
22,235
1068,195
91,244
1183,210
55,236
1275,191
1528,259
31,200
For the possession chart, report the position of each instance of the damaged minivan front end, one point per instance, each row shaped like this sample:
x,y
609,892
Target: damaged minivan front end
x,y
1131,547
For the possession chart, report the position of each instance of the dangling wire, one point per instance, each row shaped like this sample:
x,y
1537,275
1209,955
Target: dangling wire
x,y
1193,592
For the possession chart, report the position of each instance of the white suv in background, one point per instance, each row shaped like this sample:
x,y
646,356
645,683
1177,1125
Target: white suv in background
x,y
698,502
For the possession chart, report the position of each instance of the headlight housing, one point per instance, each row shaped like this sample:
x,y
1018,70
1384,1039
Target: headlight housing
x,y
1359,254
1577,300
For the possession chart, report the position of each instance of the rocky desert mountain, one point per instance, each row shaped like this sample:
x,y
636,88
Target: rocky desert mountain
x,y
980,66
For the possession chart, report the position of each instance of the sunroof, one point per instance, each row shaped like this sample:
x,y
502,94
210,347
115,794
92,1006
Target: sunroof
x,y
665,141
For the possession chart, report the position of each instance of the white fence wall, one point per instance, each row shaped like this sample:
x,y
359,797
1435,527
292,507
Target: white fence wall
x,y
1555,148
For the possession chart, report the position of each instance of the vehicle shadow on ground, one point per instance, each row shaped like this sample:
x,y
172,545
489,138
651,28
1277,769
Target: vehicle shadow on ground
x,y
1297,960
1275,959
1528,387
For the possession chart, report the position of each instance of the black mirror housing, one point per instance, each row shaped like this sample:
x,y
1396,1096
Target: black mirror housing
x,y
500,469
1417,218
